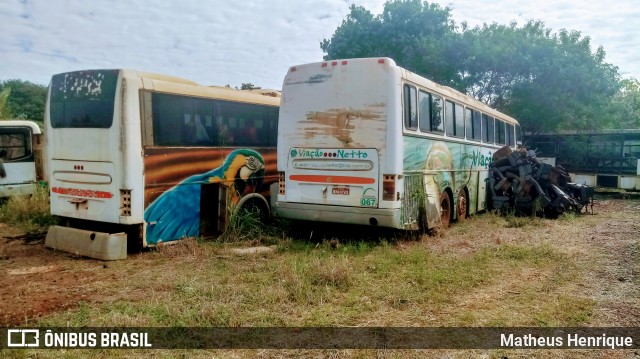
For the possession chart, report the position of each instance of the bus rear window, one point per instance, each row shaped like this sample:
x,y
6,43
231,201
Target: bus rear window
x,y
83,99
15,144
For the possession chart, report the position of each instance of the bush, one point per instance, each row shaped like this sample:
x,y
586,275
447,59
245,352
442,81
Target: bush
x,y
30,213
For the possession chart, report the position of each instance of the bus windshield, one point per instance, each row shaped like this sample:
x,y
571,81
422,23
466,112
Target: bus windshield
x,y
83,99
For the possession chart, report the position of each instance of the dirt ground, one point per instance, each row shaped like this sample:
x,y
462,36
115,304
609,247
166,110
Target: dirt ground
x,y
36,281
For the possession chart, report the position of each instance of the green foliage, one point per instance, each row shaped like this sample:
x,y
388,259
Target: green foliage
x,y
248,225
30,213
566,86
548,81
417,35
249,86
22,100
4,98
624,109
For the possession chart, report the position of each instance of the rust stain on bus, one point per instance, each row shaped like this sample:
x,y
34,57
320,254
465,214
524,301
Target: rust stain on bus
x,y
338,123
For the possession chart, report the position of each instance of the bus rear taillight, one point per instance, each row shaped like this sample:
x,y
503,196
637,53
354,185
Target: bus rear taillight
x,y
389,188
281,183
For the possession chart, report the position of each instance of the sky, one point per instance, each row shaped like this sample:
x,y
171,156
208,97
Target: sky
x,y
220,42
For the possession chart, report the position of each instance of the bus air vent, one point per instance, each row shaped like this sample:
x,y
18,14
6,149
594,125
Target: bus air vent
x,y
125,202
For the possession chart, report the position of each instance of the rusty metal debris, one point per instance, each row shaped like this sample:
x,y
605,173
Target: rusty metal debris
x,y
520,181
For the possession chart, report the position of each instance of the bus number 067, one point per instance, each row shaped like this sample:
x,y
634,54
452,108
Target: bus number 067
x,y
368,202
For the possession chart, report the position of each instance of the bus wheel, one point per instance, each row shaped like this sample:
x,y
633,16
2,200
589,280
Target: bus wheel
x,y
461,208
445,209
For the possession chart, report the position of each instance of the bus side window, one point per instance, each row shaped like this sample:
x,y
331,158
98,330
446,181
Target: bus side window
x,y
469,119
500,132
168,119
410,108
487,129
437,111
203,122
449,116
477,119
424,115
272,138
455,119
459,120
248,131
430,113
511,140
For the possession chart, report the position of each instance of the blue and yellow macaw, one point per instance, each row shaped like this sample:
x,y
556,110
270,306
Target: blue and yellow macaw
x,y
176,213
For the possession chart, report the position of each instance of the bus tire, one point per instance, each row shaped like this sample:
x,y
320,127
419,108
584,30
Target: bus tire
x,y
445,209
252,204
462,205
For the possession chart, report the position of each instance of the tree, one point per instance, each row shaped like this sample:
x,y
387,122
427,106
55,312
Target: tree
x,y
419,36
26,100
249,86
4,110
546,80
624,109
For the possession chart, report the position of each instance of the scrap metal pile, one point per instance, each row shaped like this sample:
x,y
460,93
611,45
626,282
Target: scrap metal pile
x,y
519,181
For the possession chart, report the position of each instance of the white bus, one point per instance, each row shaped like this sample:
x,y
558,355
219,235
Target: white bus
x,y
148,158
20,157
364,141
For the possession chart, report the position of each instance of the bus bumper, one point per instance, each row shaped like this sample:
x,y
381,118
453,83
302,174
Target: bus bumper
x,y
91,244
382,217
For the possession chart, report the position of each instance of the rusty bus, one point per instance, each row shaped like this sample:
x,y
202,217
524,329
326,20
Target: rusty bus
x,y
367,142
147,159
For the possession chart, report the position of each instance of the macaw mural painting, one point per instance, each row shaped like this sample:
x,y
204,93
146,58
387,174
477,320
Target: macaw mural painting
x,y
175,213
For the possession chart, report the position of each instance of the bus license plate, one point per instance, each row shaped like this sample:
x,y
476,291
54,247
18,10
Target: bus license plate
x,y
340,190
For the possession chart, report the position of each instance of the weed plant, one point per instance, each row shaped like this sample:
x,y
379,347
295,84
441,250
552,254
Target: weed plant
x,y
250,225
29,213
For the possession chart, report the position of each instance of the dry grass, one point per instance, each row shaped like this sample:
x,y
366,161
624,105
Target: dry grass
x,y
29,213
485,272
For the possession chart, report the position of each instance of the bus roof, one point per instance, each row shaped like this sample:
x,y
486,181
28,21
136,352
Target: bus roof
x,y
456,95
418,80
21,123
173,84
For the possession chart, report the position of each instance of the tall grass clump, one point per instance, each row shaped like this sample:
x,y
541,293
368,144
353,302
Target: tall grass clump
x,y
29,213
250,224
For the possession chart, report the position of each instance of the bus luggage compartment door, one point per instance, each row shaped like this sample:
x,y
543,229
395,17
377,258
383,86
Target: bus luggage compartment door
x,y
213,209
